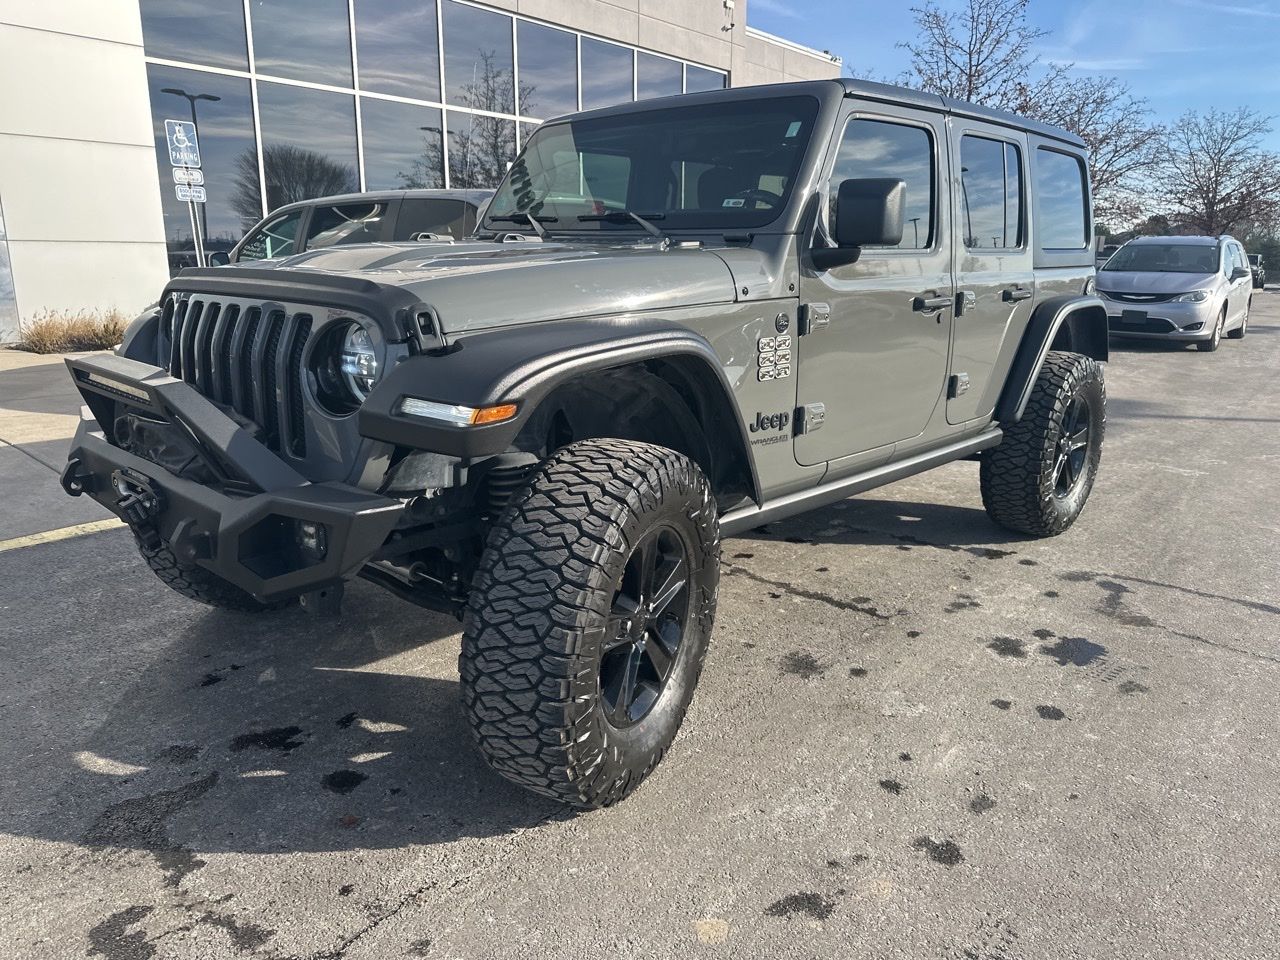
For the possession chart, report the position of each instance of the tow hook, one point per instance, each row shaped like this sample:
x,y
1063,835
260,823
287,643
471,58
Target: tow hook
x,y
137,503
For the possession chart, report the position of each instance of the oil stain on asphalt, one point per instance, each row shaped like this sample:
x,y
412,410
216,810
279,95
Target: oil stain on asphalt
x,y
811,904
945,852
283,739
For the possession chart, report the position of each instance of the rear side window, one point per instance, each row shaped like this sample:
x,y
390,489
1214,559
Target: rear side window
x,y
344,223
1060,201
990,193
875,148
442,217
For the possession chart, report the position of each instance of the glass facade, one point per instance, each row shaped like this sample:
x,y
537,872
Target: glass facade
x,y
296,99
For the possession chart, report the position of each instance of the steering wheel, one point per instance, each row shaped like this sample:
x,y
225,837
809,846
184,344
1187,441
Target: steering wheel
x,y
767,197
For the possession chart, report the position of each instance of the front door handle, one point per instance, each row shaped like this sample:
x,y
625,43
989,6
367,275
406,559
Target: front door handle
x,y
927,304
1014,294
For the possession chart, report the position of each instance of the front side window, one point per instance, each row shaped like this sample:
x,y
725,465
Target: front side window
x,y
276,238
1060,195
721,165
1199,258
990,193
872,149
340,224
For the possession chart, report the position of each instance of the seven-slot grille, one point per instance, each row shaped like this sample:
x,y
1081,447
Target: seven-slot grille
x,y
247,356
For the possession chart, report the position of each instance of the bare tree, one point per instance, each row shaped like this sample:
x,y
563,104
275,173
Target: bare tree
x,y
480,147
985,54
1215,177
293,173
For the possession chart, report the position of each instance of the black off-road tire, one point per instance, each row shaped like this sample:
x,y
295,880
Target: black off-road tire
x,y
544,602
197,583
1018,478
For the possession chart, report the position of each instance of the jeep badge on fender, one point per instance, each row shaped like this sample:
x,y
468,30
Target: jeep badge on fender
x,y
547,428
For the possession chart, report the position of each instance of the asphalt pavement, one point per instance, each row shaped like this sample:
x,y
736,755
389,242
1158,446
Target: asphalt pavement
x,y
916,735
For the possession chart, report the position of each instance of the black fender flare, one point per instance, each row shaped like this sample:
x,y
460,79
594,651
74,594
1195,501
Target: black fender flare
x,y
1086,328
522,365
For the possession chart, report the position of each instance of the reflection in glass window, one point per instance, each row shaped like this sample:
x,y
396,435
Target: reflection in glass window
x,y
697,79
195,30
308,143
874,148
275,238
396,48
403,145
480,149
606,74
989,193
658,76
335,225
1060,201
548,70
302,40
227,151
526,131
8,300
478,59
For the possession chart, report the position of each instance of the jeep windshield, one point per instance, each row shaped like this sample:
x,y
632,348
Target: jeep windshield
x,y
1164,258
714,166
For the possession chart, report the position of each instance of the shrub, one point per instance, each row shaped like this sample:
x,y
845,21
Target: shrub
x,y
55,331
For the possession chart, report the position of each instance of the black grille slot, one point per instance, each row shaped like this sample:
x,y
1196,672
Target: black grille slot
x,y
1142,297
248,357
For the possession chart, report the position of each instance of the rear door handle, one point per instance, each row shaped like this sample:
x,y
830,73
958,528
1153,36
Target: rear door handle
x,y
1014,294
925,304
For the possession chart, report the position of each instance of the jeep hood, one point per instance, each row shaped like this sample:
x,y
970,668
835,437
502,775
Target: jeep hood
x,y
477,284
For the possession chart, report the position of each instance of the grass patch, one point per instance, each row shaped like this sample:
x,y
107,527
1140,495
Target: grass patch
x,y
55,331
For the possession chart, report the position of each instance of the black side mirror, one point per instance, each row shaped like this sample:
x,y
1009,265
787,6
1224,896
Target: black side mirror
x,y
219,258
868,213
1239,273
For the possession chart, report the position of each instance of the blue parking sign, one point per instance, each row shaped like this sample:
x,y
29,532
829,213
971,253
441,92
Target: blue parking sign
x,y
184,151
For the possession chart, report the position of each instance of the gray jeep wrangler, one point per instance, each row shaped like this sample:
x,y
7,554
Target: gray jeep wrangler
x,y
679,320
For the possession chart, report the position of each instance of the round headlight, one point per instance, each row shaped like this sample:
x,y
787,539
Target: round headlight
x,y
345,363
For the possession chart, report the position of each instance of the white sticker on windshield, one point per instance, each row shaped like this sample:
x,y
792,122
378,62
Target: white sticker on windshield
x,y
734,202
794,128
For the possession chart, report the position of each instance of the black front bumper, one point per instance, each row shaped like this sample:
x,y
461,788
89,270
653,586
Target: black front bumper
x,y
244,526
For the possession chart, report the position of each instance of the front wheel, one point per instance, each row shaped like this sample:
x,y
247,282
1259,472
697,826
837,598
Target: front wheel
x,y
1039,477
589,619
1208,346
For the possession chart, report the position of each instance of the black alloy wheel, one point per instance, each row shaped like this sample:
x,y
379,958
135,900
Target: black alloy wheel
x,y
1072,447
647,622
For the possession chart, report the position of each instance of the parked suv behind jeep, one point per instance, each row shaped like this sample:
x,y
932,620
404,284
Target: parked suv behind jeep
x,y
680,319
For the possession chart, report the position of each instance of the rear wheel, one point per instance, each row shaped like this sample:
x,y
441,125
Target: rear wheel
x,y
589,619
1039,477
197,583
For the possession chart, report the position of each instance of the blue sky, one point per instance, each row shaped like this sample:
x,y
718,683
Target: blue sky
x,y
1178,54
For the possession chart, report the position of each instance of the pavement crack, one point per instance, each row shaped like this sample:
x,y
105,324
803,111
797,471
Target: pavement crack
x,y
858,606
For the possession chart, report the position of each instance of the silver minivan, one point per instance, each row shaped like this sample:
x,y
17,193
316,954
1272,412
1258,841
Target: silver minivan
x,y
1191,289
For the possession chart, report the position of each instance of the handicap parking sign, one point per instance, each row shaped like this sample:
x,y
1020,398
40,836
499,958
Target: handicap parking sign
x,y
184,151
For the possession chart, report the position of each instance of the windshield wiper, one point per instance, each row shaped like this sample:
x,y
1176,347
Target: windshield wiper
x,y
534,221
615,216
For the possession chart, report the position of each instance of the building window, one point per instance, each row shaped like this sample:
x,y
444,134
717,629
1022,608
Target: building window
x,y
478,61
697,79
396,47
308,143
658,76
196,31
1060,201
990,193
480,149
548,70
874,148
8,299
403,145
606,74
302,40
228,154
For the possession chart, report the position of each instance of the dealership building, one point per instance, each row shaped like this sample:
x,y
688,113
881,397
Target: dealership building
x,y
300,98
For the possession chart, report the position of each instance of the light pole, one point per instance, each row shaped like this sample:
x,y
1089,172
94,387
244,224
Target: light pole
x,y
191,99
915,227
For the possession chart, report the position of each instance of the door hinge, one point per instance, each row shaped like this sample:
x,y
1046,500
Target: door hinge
x,y
957,385
810,418
966,300
813,317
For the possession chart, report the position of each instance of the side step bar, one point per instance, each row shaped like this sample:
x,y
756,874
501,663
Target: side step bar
x,y
746,518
